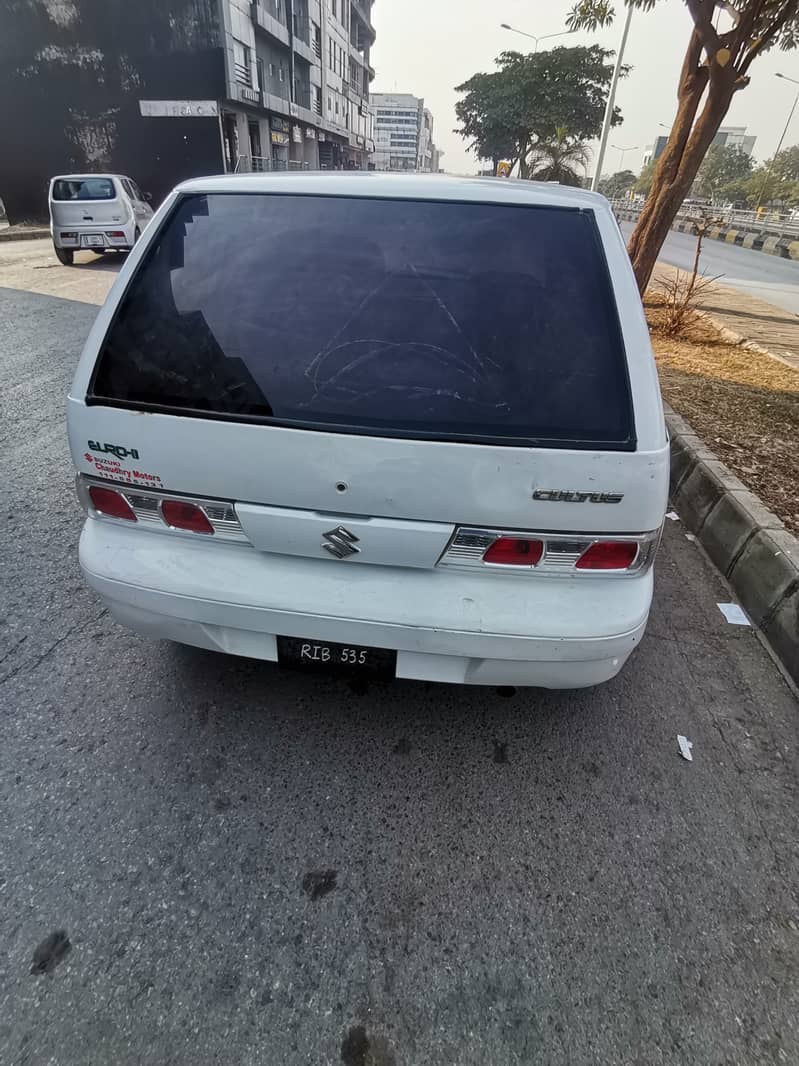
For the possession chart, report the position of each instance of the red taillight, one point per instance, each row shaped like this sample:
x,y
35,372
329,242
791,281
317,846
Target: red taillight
x,y
514,551
110,502
115,233
608,555
182,515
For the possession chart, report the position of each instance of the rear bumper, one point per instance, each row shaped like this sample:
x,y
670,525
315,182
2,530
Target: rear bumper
x,y
450,626
99,228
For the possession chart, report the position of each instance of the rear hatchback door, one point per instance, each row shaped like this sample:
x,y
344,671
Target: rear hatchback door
x,y
83,201
398,366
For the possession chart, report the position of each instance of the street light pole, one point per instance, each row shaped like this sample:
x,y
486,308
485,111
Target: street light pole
x,y
623,152
532,36
764,183
603,141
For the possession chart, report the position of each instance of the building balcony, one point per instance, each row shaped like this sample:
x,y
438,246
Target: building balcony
x,y
268,15
362,11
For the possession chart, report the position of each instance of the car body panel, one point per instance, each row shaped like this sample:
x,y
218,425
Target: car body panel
x,y
126,213
401,498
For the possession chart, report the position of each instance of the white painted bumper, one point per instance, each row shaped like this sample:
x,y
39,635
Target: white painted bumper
x,y
446,625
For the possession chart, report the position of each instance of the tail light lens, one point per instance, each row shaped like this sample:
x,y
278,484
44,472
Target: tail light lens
x,y
552,554
160,512
111,503
180,514
514,551
115,233
609,555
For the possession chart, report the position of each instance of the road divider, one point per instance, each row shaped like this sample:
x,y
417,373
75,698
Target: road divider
x,y
784,247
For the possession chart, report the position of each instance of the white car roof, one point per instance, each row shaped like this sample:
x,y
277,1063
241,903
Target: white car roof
x,y
84,177
401,186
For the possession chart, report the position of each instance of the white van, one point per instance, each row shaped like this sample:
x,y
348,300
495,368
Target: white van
x,y
403,425
98,212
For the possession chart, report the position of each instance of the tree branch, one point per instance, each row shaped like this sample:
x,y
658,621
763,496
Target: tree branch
x,y
766,38
702,14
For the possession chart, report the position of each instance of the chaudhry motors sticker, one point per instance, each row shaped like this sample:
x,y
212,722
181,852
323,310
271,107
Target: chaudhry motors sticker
x,y
113,469
113,449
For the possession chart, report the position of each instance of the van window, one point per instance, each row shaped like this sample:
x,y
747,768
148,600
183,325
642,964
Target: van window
x,y
470,322
83,189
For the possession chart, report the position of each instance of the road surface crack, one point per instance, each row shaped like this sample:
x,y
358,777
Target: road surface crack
x,y
31,665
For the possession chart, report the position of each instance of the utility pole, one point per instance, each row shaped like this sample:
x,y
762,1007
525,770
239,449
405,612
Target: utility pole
x,y
603,142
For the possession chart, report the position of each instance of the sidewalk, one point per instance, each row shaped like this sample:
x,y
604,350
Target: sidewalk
x,y
22,233
750,319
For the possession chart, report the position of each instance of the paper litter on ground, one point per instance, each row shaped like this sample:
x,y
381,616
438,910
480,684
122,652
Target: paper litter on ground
x,y
685,748
734,614
690,536
673,516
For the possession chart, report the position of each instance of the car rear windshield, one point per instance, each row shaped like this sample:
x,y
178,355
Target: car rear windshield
x,y
83,189
456,321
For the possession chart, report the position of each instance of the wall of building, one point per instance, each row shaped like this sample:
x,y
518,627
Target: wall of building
x,y
76,73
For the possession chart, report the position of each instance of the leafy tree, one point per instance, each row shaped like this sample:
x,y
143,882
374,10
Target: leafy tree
x,y
488,119
721,166
765,187
558,158
506,113
786,164
618,184
715,66
643,184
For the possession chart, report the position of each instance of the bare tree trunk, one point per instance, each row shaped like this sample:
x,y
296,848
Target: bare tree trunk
x,y
680,161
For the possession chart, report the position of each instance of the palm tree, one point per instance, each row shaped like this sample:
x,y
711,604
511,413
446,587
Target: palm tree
x,y
557,159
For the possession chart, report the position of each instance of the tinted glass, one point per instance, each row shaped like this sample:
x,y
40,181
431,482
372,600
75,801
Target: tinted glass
x,y
458,321
83,189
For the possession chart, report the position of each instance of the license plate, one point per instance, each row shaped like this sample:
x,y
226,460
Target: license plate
x,y
324,655
92,240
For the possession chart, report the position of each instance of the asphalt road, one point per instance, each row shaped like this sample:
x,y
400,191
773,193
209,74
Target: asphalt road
x,y
768,277
525,880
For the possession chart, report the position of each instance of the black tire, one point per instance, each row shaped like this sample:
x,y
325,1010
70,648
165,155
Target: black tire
x,y
136,234
65,256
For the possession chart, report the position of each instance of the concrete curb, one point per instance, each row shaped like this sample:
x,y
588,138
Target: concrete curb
x,y
749,544
28,233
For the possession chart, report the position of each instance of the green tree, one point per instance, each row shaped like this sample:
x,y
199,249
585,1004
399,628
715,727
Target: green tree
x,y
722,166
786,164
716,65
643,183
505,114
559,159
766,187
618,184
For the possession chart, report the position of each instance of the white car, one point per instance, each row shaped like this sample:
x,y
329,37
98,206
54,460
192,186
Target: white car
x,y
96,212
407,426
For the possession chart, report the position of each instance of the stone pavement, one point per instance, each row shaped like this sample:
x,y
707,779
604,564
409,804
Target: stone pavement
x,y
754,320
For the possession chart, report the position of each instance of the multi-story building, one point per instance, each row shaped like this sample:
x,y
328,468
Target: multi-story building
x,y
727,137
403,133
170,89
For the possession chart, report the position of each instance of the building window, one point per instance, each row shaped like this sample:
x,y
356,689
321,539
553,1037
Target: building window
x,y
241,63
335,12
271,70
281,73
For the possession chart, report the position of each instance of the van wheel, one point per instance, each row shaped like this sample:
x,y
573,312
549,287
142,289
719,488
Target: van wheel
x,y
65,256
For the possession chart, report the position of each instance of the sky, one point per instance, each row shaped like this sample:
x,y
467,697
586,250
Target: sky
x,y
426,47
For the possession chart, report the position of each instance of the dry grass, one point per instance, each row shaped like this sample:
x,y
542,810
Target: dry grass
x,y
745,406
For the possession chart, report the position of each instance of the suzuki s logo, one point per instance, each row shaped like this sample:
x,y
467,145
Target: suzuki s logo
x,y
572,496
113,449
340,542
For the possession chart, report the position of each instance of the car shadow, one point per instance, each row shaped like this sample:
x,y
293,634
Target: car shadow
x,y
112,261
